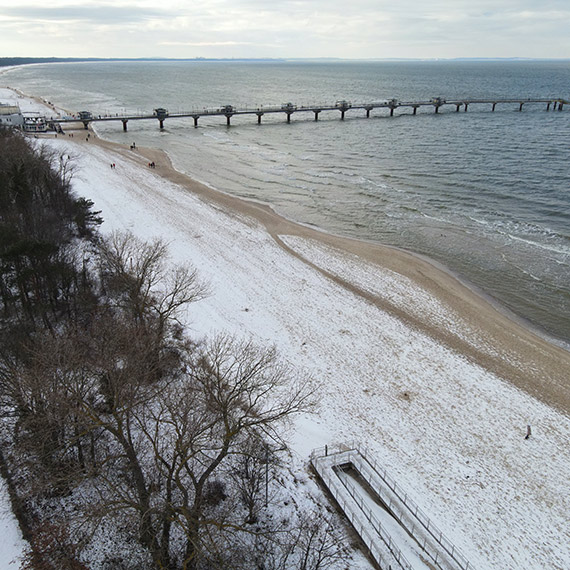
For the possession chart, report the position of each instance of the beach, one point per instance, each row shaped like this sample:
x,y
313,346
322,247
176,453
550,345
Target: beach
x,y
481,331
435,380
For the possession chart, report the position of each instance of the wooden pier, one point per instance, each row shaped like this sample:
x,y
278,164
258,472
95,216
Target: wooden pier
x,y
288,109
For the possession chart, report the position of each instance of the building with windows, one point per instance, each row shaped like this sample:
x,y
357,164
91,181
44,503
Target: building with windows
x,y
10,116
35,125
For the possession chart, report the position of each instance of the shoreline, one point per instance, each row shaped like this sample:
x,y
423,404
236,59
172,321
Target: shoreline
x,y
478,289
522,346
515,351
510,314
523,321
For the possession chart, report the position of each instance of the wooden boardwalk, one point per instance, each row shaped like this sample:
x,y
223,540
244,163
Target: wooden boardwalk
x,y
383,514
288,109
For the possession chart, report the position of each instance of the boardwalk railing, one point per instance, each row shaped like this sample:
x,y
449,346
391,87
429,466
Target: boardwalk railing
x,y
361,526
288,109
370,470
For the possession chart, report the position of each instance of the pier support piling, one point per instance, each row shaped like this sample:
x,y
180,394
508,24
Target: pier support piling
x,y
161,114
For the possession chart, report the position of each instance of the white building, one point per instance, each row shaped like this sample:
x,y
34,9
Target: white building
x,y
10,116
35,125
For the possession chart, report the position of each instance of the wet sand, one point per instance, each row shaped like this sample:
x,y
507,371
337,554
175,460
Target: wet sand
x,y
511,350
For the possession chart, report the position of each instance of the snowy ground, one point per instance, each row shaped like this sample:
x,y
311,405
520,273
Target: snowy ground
x,y
12,545
448,431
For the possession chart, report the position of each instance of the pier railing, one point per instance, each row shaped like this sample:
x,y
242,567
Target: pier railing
x,y
288,109
362,525
362,460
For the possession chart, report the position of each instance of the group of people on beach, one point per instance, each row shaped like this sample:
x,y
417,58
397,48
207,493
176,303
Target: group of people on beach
x,y
152,164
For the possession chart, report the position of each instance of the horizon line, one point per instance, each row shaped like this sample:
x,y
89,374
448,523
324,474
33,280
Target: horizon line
x,y
17,60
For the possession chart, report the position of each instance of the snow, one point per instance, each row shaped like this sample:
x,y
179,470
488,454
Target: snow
x,y
448,431
398,289
456,441
12,545
27,106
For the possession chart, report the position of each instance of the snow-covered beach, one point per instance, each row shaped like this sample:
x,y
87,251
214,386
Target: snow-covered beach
x,y
434,380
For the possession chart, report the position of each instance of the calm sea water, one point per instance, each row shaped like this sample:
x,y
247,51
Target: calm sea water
x,y
487,194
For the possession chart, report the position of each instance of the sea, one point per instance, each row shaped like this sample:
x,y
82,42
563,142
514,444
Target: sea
x,y
486,194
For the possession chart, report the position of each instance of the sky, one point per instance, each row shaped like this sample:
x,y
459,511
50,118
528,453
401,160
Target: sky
x,y
352,29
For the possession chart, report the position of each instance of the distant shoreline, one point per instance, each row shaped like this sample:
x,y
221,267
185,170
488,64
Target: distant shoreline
x,y
18,61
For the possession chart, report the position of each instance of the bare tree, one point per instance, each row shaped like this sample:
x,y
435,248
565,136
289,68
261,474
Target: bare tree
x,y
232,390
147,289
160,425
320,544
250,475
137,273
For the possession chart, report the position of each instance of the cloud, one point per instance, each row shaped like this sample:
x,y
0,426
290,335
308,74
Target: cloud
x,y
288,28
211,44
101,14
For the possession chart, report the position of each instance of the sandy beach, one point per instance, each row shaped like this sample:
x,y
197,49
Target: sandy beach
x,y
430,376
490,337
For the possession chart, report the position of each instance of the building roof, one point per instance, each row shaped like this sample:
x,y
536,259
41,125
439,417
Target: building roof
x,y
9,109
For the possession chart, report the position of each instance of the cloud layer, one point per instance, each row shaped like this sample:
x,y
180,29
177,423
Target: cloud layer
x,y
288,28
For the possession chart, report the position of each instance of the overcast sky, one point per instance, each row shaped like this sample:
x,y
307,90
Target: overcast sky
x,y
286,28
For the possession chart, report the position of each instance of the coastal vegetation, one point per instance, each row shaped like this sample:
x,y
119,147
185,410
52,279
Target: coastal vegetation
x,y
125,442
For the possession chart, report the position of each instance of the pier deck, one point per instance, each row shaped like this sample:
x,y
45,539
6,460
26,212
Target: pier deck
x,y
288,109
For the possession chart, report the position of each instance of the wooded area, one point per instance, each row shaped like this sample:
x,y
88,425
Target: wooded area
x,y
126,443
